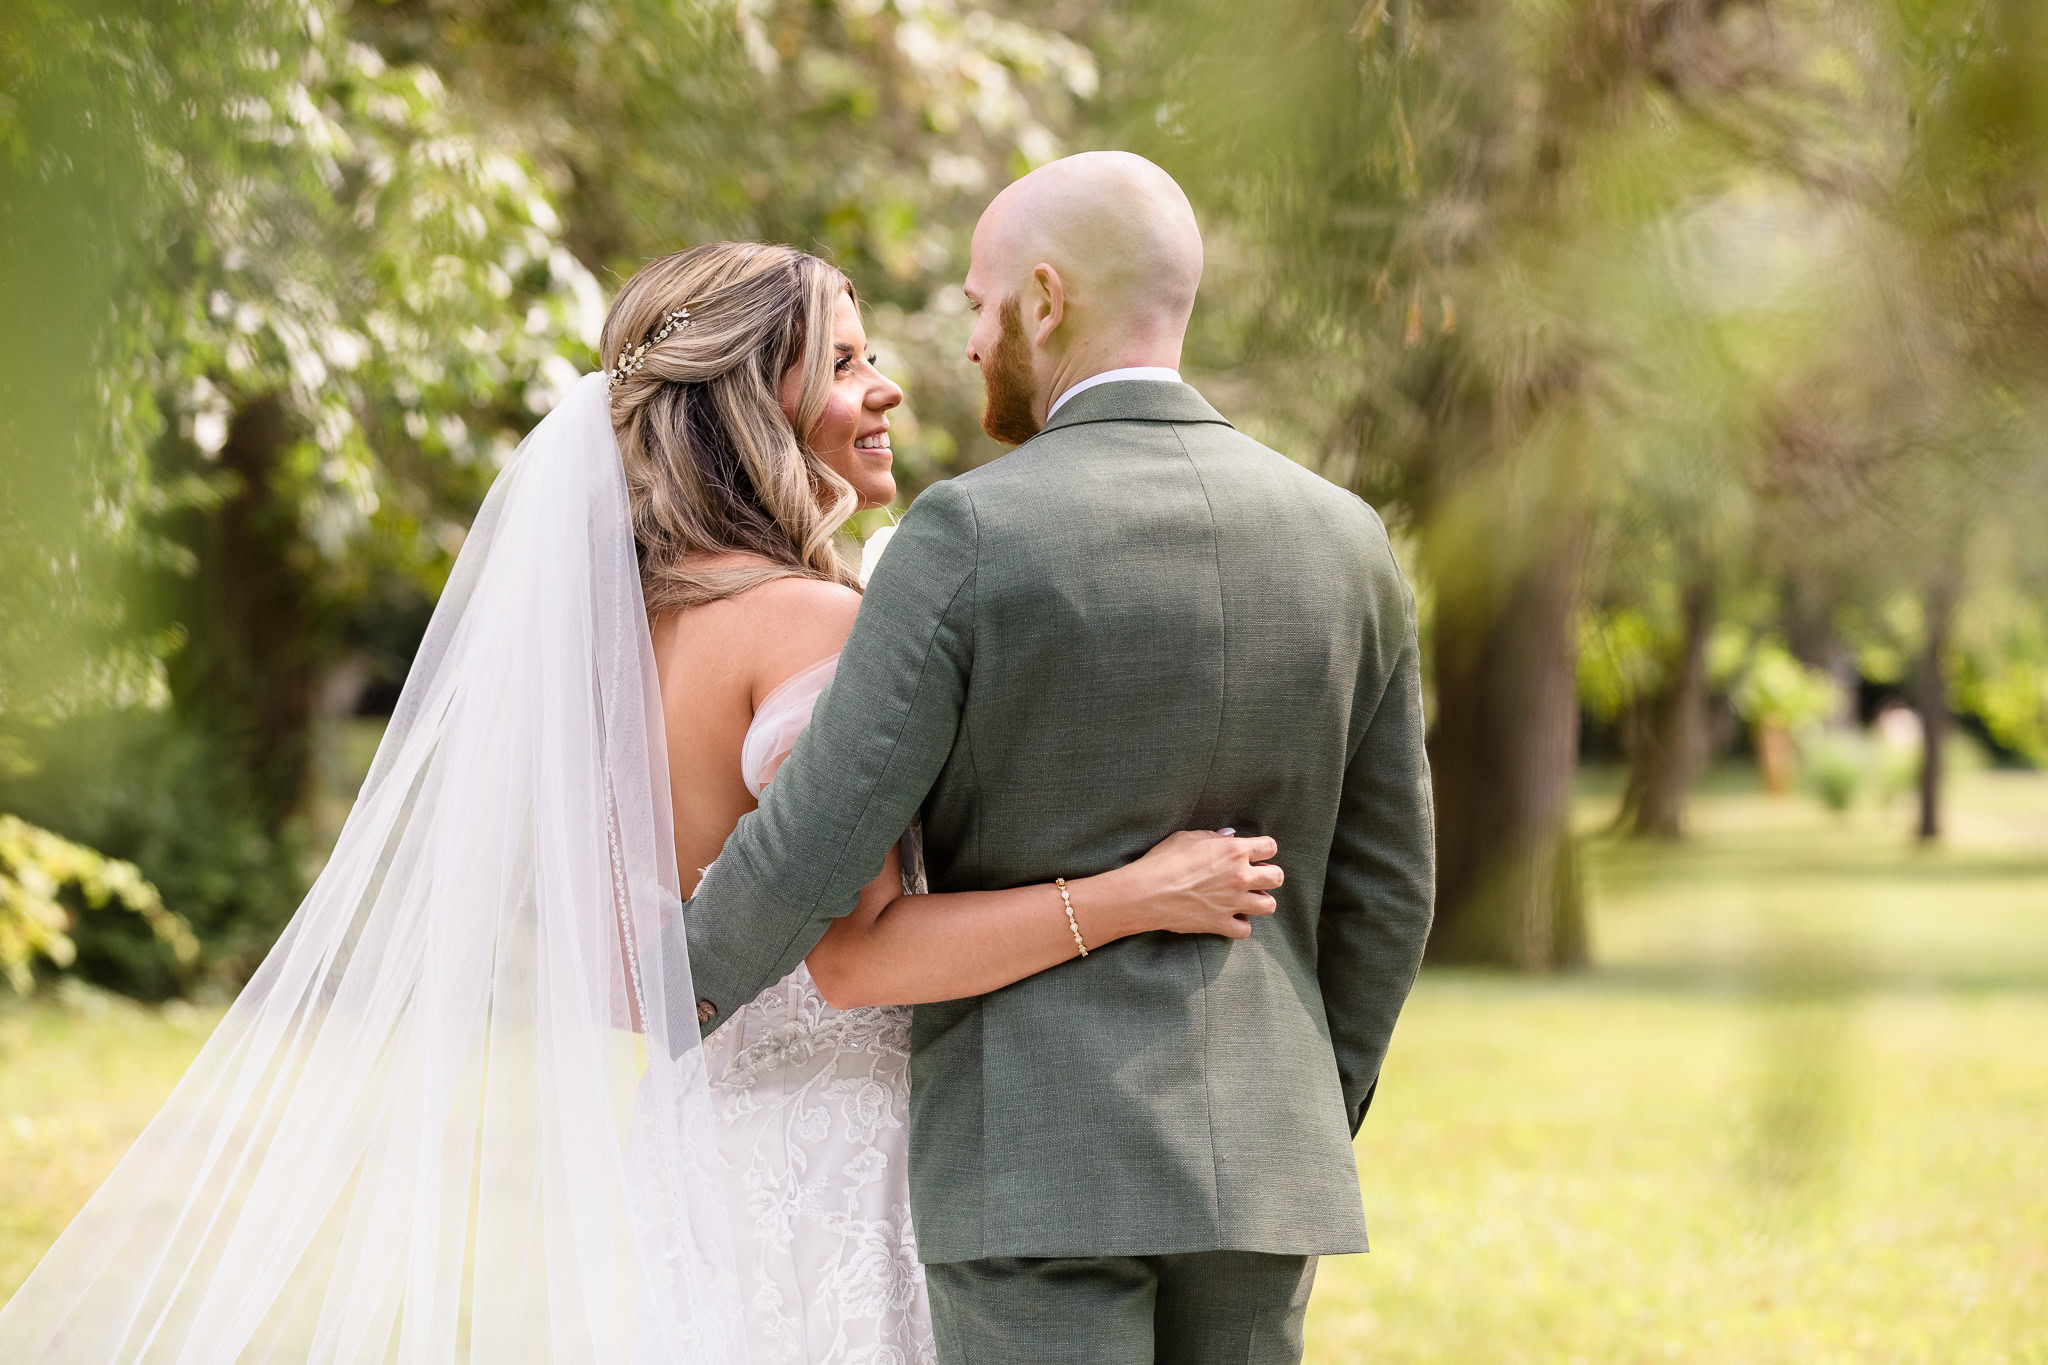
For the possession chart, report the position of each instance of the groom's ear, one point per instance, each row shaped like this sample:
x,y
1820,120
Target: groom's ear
x,y
1048,302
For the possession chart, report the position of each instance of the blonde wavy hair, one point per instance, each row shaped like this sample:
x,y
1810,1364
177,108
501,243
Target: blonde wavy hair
x,y
712,464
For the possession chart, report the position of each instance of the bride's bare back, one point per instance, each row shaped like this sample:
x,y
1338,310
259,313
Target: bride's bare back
x,y
717,662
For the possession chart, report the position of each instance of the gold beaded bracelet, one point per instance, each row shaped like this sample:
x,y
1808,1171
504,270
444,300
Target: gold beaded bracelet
x,y
1066,900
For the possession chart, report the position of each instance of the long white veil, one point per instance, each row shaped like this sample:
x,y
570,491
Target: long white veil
x,y
446,1121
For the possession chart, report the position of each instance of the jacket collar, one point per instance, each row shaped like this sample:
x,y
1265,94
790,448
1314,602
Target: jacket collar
x,y
1135,400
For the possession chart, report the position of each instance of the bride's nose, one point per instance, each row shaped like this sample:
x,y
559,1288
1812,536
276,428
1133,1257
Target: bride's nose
x,y
885,395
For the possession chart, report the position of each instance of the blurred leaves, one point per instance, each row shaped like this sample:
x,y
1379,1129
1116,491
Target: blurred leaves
x,y
224,203
289,300
1655,324
1693,348
35,868
870,131
1774,688
312,267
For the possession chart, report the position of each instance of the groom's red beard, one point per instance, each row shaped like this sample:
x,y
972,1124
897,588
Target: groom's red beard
x,y
1007,375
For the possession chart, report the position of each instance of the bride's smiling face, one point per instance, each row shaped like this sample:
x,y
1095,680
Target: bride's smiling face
x,y
853,434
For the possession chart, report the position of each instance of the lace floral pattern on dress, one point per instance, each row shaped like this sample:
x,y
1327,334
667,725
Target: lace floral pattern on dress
x,y
813,1107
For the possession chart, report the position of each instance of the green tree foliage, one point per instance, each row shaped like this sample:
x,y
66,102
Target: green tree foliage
x,y
340,255
1629,311
871,131
298,314
1485,306
1691,347
1914,440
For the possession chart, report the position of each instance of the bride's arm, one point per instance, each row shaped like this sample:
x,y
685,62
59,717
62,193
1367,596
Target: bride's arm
x,y
896,949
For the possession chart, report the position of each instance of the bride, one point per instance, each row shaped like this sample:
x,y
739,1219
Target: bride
x,y
461,1113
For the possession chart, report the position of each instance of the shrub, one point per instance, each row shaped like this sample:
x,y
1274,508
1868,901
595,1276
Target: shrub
x,y
1836,764
158,793
37,868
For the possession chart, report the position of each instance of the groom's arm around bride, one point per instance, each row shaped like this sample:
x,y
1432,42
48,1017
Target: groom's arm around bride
x,y
1139,621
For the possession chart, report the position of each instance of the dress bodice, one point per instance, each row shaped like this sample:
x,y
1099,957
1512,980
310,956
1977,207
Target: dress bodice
x,y
779,719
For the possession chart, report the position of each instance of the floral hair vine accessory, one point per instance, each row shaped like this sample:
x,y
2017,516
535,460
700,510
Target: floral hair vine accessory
x,y
631,360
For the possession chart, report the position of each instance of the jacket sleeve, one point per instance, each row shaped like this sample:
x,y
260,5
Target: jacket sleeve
x,y
1380,891
855,780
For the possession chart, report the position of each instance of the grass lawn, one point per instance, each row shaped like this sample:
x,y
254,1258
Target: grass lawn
x,y
1799,1114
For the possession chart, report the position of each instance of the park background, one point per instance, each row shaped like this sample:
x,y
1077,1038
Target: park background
x,y
1695,351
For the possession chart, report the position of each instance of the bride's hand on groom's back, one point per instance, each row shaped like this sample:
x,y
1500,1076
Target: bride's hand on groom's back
x,y
1203,882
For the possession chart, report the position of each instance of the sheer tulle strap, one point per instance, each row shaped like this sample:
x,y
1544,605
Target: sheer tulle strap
x,y
781,717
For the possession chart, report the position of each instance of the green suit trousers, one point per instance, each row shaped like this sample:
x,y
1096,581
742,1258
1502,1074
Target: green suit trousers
x,y
1197,1308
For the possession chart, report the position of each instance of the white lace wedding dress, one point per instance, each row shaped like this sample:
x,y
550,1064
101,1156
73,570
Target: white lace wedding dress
x,y
812,1105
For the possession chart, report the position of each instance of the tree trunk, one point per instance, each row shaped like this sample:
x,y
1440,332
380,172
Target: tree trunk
x,y
1931,697
1671,746
1503,753
258,633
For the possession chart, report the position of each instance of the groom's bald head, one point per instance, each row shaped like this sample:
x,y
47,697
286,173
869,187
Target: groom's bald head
x,y
1095,260
1117,229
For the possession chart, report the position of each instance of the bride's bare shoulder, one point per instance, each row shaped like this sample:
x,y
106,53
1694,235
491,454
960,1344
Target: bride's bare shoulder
x,y
759,638
793,624
801,601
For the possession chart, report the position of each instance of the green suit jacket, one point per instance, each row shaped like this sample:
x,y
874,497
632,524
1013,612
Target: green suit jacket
x,y
1139,621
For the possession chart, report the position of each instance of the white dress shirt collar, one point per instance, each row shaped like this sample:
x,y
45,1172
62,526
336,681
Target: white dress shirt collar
x,y
1157,373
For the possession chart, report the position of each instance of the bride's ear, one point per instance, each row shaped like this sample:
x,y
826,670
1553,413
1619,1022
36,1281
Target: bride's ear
x,y
1048,303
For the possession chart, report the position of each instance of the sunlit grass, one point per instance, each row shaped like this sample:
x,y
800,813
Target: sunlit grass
x,y
78,1080
1799,1115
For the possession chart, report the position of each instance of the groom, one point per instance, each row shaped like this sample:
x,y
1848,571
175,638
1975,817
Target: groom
x,y
1139,621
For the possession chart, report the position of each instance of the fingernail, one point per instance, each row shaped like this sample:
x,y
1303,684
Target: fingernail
x,y
1227,829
